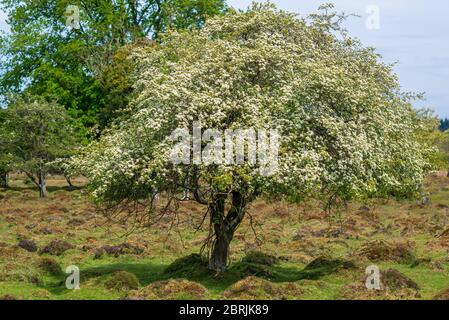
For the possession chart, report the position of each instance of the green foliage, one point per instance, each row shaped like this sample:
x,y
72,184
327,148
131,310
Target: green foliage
x,y
42,56
37,133
347,129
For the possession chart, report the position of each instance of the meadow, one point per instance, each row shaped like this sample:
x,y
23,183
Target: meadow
x,y
282,252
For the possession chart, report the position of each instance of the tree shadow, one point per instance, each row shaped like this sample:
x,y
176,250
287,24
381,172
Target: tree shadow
x,y
148,273
50,189
145,272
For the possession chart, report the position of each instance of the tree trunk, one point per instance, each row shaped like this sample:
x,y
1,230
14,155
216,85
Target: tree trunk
x,y
448,173
42,185
3,179
224,228
218,260
69,182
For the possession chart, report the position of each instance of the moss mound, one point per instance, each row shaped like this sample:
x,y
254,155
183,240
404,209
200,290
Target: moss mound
x,y
122,281
253,288
170,290
323,266
50,265
193,266
380,250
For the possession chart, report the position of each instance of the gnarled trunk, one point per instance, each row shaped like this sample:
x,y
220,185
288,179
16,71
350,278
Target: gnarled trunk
x,y
3,178
224,228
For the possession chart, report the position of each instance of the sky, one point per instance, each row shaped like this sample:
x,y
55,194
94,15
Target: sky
x,y
414,34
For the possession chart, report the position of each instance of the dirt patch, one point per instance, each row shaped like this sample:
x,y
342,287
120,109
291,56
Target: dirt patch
x,y
253,288
122,281
57,247
170,290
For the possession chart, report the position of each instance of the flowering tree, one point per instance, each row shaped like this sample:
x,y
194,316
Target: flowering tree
x,y
346,129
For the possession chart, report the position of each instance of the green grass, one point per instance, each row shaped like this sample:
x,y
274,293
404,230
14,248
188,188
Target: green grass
x,y
22,214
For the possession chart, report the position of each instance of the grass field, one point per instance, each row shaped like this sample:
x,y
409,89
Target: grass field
x,y
290,252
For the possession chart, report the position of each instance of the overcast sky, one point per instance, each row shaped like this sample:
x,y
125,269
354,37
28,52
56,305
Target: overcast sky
x,y
413,33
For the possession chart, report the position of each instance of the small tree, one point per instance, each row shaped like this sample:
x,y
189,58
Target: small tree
x,y
346,130
6,162
39,133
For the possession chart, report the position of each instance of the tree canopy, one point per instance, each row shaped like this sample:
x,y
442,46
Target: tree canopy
x,y
43,56
346,129
36,133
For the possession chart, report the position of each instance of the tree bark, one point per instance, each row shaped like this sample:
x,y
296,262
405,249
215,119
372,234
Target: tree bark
x,y
3,179
224,228
42,185
69,182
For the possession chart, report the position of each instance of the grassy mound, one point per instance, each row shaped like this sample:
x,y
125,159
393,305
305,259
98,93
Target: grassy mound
x,y
258,257
394,286
253,288
119,250
443,295
122,281
57,247
50,265
394,280
28,245
256,264
380,250
193,266
323,266
170,290
8,297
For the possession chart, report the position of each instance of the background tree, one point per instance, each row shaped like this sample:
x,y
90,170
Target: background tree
x,y
40,132
6,159
347,132
42,56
